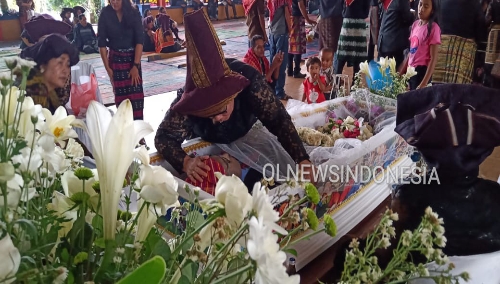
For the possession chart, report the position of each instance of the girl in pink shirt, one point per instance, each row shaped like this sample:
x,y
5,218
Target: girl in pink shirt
x,y
425,39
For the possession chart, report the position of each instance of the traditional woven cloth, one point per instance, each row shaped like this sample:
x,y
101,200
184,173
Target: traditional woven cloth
x,y
251,59
329,32
455,60
247,5
121,62
352,41
298,39
493,47
210,181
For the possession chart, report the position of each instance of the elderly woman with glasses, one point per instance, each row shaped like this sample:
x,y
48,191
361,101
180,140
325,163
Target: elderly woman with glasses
x,y
48,81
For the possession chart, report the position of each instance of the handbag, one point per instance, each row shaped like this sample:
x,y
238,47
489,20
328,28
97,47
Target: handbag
x,y
83,94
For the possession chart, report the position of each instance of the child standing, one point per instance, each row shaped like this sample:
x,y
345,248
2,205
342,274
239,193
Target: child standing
x,y
314,84
326,57
425,39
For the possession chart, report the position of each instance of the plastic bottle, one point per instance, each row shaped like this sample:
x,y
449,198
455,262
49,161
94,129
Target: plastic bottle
x,y
291,266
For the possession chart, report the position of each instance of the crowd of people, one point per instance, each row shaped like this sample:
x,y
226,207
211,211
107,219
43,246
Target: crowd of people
x,y
410,31
221,106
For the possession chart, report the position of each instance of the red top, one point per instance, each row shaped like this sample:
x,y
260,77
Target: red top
x,y
313,92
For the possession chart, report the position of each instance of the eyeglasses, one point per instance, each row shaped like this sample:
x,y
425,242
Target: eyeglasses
x,y
222,112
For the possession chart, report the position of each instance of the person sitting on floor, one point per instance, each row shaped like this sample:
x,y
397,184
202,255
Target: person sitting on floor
x,y
84,36
149,34
164,40
173,24
40,26
65,15
255,57
77,11
47,82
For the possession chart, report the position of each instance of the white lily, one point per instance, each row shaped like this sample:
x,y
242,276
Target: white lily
x,y
11,259
58,126
28,160
113,142
158,186
410,72
392,65
30,111
363,68
384,63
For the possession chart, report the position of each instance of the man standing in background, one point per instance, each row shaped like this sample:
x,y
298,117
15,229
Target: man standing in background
x,y
279,33
330,24
254,11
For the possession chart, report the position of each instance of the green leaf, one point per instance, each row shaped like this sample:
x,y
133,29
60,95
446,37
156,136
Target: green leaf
x,y
184,280
151,272
233,266
80,257
291,251
28,227
64,255
196,219
189,270
97,224
71,278
100,243
162,249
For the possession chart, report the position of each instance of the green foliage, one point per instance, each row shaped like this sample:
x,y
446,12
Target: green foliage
x,y
151,271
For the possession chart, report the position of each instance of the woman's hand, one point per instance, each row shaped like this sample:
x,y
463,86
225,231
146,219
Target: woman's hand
x,y
421,86
195,168
110,74
134,75
278,58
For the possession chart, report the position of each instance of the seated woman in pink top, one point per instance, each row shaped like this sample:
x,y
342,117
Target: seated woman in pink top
x,y
425,39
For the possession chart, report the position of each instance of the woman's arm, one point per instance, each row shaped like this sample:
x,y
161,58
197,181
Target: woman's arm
x,y
172,131
303,11
273,115
430,69
288,18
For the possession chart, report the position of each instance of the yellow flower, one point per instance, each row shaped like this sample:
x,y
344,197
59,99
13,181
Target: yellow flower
x,y
57,126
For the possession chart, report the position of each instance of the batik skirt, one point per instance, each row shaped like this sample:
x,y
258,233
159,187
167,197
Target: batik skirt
x,y
298,39
329,32
493,47
455,60
353,45
121,61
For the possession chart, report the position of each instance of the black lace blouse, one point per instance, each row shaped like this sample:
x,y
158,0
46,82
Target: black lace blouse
x,y
256,102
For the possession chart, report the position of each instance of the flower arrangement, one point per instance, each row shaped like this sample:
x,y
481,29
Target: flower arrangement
x,y
362,266
334,129
391,83
61,222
